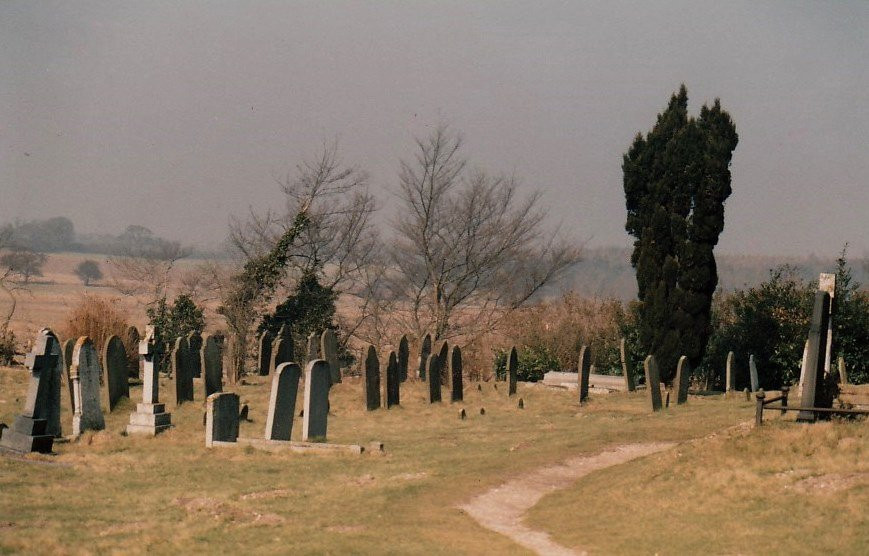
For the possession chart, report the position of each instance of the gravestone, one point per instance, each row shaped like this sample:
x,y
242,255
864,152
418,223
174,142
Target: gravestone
x,y
194,345
512,370
30,431
457,392
583,370
444,361
803,368
403,355
730,374
813,387
433,367
683,375
843,372
131,338
264,353
317,382
85,374
150,416
182,373
282,401
752,370
212,366
372,380
393,381
827,283
221,418
116,368
312,352
280,351
653,382
630,385
66,352
329,351
424,352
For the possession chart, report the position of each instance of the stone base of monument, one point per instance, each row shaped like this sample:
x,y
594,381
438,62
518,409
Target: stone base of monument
x,y
27,435
299,447
149,419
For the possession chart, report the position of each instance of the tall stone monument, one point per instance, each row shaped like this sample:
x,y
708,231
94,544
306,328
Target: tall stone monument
x,y
182,372
212,366
264,352
116,372
433,367
85,375
372,380
752,371
194,343
403,356
683,376
424,352
150,417
512,371
457,392
814,394
730,375
393,381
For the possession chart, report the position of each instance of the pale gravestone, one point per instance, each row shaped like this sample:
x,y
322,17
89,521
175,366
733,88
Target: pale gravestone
x,y
30,431
150,416
653,382
66,352
457,393
194,344
372,380
827,283
403,356
583,370
393,381
264,353
116,369
730,374
444,361
182,373
317,382
512,370
803,367
424,353
683,375
221,418
132,339
630,385
752,371
212,366
329,352
85,374
282,401
843,372
433,368
813,387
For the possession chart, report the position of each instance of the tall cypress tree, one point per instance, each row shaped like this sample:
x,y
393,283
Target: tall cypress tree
x,y
676,180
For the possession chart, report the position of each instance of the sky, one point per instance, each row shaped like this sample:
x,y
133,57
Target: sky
x,y
176,115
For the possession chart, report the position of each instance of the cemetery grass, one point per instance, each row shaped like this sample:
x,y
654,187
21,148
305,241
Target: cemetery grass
x,y
108,492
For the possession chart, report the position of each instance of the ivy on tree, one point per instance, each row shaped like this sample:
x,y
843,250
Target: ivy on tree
x,y
310,308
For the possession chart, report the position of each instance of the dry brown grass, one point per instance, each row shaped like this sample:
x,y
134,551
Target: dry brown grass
x,y
99,318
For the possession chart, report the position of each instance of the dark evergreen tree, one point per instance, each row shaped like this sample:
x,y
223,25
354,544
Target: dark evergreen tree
x,y
676,181
310,308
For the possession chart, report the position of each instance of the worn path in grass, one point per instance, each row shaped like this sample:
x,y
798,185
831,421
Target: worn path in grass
x,y
502,508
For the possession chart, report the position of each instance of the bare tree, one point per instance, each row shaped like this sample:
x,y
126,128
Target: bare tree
x,y
23,263
470,248
144,263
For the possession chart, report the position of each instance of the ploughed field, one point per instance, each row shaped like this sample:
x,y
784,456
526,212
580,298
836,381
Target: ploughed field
x,y
107,492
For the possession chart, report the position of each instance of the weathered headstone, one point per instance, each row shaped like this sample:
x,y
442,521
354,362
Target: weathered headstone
x,y
372,379
403,356
212,366
424,352
583,370
630,385
282,401
194,344
843,372
683,375
30,431
312,352
277,353
66,352
85,374
752,371
730,374
813,387
221,418
150,416
827,283
512,370
182,373
457,391
116,369
653,382
317,382
444,360
393,381
264,352
329,352
433,367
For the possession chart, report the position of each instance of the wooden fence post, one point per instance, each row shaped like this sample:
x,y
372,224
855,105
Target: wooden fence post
x,y
758,417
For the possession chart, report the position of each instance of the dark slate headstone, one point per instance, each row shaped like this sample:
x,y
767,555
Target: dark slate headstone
x,y
583,369
221,418
194,344
264,352
182,374
512,370
317,383
683,375
312,350
329,352
66,352
393,381
424,352
29,432
279,351
457,392
132,338
813,386
372,380
444,361
116,369
630,386
653,382
282,401
752,372
403,356
212,366
85,373
433,367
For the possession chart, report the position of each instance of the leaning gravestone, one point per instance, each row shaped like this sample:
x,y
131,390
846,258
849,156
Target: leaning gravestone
x,y
66,352
680,385
281,352
29,432
583,370
182,373
116,372
813,386
212,363
372,380
512,370
424,352
403,356
393,381
317,382
457,393
282,401
85,374
264,353
150,416
194,344
752,370
729,375
221,418
630,386
329,352
653,382
433,366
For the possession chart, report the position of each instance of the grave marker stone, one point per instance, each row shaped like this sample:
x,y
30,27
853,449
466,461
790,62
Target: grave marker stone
x,y
424,352
813,387
630,385
752,371
116,366
282,401
512,370
683,375
313,348
803,368
264,353
317,382
653,382
131,338
212,363
444,361
150,416
277,353
393,381
827,283
194,344
182,373
583,370
85,374
403,356
66,352
730,374
372,380
457,392
329,351
221,418
843,373
434,378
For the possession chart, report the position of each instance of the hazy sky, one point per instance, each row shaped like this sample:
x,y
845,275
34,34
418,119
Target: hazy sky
x,y
174,115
